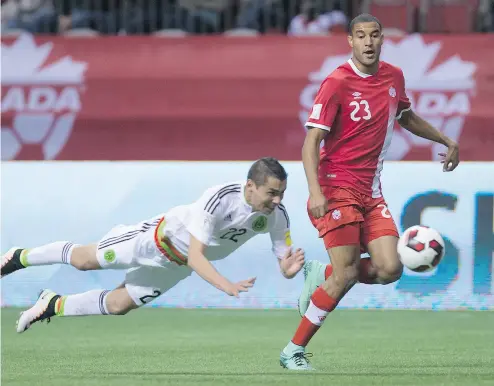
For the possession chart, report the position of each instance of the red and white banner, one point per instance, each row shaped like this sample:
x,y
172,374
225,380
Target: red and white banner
x,y
219,98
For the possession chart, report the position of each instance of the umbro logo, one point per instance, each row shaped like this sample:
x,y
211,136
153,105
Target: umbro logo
x,y
228,218
357,95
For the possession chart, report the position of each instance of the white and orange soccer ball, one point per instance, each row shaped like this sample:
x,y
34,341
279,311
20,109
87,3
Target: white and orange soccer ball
x,y
421,248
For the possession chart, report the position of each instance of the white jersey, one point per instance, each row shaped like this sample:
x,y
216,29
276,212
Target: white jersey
x,y
223,220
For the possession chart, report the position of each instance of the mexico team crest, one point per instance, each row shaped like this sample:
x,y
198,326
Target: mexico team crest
x,y
260,224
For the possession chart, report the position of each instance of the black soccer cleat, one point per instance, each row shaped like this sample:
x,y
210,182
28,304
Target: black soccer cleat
x,y
11,262
43,310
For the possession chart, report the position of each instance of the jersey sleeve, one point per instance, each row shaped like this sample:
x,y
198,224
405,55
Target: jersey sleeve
x,y
280,233
403,101
206,211
326,105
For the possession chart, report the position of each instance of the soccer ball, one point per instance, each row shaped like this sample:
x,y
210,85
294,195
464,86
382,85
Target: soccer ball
x,y
421,248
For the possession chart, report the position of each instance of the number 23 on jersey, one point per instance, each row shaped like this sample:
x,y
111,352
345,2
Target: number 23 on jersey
x,y
360,110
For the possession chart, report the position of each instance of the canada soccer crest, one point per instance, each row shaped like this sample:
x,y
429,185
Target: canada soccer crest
x,y
40,98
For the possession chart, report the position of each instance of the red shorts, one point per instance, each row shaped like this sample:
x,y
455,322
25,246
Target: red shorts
x,y
353,218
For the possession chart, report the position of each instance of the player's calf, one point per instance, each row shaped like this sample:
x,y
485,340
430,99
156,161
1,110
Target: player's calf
x,y
324,300
61,252
342,277
94,302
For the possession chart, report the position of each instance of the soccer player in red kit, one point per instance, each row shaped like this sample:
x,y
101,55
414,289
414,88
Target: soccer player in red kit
x,y
354,113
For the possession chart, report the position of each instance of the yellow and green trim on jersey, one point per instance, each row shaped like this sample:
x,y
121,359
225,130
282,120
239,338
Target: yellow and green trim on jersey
x,y
288,239
165,245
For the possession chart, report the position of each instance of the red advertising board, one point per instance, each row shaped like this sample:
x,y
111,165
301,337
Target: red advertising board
x,y
222,98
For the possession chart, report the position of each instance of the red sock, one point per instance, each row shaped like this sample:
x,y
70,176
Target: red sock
x,y
320,305
366,274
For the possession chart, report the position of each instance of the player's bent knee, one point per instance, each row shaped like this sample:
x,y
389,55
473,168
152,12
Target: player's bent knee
x,y
84,258
390,272
82,265
118,302
119,308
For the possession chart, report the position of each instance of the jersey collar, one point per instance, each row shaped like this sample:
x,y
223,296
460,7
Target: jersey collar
x,y
357,71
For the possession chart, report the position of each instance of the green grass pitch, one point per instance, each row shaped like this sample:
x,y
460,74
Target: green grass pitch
x,y
205,347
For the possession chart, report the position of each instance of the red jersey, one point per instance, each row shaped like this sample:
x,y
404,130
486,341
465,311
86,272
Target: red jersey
x,y
358,110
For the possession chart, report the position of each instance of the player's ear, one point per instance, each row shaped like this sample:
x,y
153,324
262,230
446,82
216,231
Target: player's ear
x,y
350,39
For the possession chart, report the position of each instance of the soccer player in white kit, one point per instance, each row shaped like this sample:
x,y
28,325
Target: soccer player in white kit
x,y
160,252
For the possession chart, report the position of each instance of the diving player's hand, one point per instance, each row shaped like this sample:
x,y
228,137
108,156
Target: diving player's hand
x,y
241,286
318,205
292,262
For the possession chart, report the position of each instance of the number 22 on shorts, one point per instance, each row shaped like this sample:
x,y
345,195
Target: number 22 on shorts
x,y
384,212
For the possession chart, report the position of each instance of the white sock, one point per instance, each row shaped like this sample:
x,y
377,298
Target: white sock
x,y
292,347
88,303
59,252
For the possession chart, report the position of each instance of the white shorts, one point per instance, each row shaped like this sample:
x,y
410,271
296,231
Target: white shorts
x,y
149,273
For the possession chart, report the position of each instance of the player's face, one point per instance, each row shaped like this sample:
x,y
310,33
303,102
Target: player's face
x,y
265,198
366,41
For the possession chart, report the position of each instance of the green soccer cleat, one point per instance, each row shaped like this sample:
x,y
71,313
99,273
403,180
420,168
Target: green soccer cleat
x,y
296,361
314,272
43,309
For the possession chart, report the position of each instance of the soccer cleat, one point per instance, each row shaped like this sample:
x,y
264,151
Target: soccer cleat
x,y
296,361
314,276
43,309
11,261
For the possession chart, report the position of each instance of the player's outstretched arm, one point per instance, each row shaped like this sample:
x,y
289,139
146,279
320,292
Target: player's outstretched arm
x,y
418,126
203,267
292,262
310,158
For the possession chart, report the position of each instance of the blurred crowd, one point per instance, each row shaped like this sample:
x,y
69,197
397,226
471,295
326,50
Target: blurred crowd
x,y
293,17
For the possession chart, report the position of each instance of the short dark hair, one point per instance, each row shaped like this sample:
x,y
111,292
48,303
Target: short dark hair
x,y
363,18
264,168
